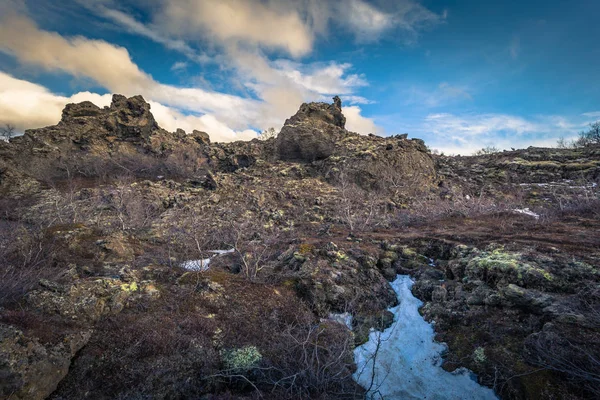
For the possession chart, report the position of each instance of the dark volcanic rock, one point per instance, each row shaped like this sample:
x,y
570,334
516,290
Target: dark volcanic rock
x,y
311,134
316,133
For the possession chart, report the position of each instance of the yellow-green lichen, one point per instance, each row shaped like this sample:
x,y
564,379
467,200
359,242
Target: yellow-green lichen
x,y
129,287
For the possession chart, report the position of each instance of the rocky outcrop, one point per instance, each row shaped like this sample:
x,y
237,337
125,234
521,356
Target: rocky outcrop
x,y
90,141
316,133
30,370
84,124
312,133
551,170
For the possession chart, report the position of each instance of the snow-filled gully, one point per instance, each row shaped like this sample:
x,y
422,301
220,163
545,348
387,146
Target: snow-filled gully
x,y
408,360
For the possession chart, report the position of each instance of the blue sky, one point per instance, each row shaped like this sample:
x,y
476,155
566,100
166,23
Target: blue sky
x,y
459,74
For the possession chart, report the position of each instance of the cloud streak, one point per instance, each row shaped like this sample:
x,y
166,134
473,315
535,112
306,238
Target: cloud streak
x,y
464,134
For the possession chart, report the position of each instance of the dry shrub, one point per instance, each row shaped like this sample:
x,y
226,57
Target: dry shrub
x,y
301,358
458,205
572,351
358,209
128,208
87,170
575,355
174,347
26,256
48,329
256,242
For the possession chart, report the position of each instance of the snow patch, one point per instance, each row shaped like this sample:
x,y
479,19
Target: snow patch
x,y
203,264
526,211
341,318
408,361
196,265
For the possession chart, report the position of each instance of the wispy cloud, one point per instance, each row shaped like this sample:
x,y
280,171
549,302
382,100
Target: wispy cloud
x,y
133,26
179,66
593,114
466,133
444,94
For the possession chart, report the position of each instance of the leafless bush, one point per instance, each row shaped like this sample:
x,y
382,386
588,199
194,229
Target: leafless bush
x,y
163,352
311,360
457,204
358,209
25,258
581,196
255,244
7,131
300,358
487,150
128,207
579,361
90,170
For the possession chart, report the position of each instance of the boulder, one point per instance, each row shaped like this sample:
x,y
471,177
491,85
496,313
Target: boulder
x,y
311,134
200,137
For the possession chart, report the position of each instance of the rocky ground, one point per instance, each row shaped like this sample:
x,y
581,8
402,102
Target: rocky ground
x,y
99,212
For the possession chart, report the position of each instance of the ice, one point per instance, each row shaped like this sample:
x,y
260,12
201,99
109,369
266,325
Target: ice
x,y
408,361
202,264
196,265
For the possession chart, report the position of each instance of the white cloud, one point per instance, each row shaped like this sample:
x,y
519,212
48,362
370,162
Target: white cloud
x,y
289,25
171,120
331,78
355,122
356,100
109,65
515,47
366,21
251,22
27,105
112,67
480,124
136,27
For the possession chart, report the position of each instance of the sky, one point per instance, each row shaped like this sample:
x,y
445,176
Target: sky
x,y
460,75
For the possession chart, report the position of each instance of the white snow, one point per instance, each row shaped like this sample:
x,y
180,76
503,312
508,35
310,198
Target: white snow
x,y
408,361
196,265
564,184
341,318
526,211
219,252
202,264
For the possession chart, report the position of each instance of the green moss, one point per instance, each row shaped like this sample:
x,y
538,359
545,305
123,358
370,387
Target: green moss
x,y
479,355
505,263
243,359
